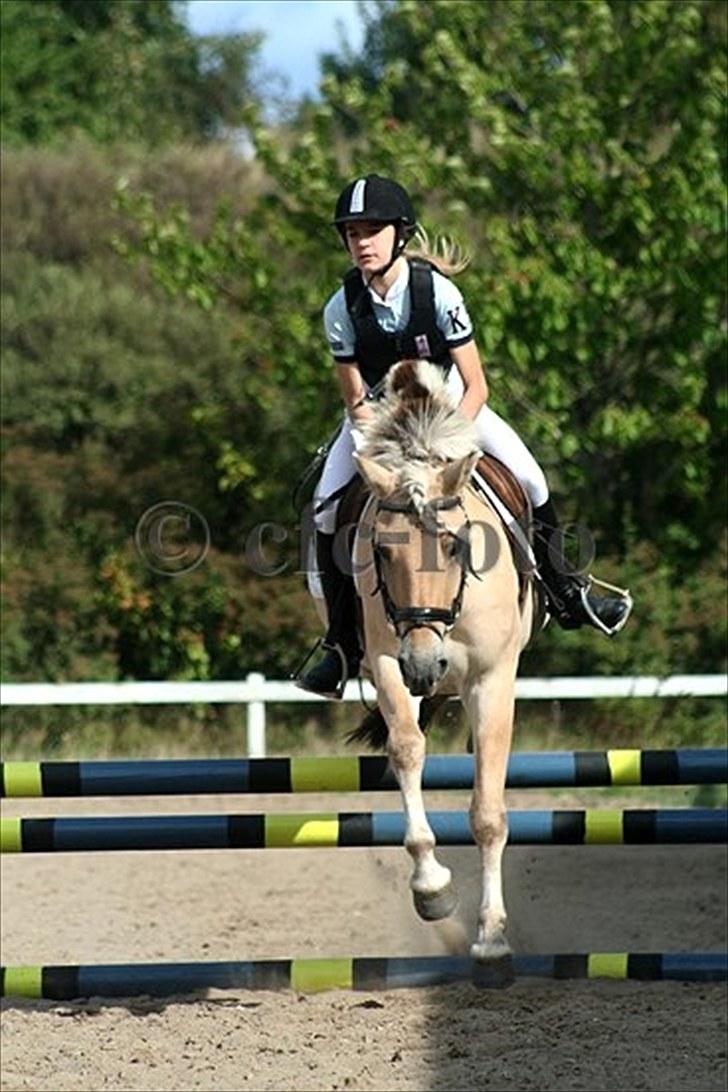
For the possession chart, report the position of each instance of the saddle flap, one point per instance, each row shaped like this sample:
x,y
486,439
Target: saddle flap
x,y
352,503
514,503
506,486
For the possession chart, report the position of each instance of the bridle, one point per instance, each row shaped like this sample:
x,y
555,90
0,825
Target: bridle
x,y
423,617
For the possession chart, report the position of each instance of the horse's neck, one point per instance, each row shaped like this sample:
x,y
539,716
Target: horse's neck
x,y
478,509
490,546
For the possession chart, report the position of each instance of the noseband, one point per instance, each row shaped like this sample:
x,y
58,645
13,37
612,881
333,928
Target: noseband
x,y
421,617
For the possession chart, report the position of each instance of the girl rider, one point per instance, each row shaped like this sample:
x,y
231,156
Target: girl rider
x,y
392,307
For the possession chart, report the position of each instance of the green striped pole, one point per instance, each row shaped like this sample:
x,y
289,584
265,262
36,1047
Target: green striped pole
x,y
351,829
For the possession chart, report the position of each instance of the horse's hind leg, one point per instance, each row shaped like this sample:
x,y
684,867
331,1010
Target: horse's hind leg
x,y
432,891
490,706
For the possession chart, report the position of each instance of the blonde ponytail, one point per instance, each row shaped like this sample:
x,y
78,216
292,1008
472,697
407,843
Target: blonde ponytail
x,y
448,257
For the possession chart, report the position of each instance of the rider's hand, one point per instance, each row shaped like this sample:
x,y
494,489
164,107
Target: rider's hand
x,y
361,415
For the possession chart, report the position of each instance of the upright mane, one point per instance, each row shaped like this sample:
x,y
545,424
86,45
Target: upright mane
x,y
416,423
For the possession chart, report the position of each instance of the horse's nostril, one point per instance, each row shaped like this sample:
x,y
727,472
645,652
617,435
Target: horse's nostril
x,y
442,664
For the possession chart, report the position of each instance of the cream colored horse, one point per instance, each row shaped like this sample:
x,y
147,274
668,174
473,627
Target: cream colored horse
x,y
442,615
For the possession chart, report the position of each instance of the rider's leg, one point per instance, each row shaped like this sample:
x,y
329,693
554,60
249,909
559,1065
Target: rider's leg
x,y
341,644
571,601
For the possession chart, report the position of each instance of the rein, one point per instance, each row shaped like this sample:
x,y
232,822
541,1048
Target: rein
x,y
422,617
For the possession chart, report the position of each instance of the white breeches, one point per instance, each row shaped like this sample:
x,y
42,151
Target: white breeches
x,y
494,436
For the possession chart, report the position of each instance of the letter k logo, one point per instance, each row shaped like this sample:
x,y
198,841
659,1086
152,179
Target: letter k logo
x,y
456,324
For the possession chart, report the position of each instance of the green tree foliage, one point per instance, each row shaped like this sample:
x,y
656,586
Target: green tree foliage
x,y
579,149
115,398
117,71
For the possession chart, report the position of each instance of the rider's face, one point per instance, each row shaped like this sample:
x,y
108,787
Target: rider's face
x,y
370,244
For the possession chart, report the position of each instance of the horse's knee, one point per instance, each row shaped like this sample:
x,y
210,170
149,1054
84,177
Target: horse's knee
x,y
406,752
488,827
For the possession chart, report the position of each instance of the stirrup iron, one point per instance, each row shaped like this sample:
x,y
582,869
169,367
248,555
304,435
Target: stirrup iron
x,y
337,692
623,593
344,669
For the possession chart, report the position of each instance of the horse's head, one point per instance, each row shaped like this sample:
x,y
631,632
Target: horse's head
x,y
417,460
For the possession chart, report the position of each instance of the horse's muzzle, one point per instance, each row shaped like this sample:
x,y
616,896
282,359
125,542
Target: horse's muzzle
x,y
422,669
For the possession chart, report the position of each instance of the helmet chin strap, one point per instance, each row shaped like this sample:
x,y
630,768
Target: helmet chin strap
x,y
397,248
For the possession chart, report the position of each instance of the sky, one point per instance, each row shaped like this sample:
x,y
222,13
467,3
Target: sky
x,y
297,31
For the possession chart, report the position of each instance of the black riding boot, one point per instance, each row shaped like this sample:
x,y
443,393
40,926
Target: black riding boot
x,y
342,655
571,602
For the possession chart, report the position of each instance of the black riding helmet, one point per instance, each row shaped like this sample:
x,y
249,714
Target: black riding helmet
x,y
380,200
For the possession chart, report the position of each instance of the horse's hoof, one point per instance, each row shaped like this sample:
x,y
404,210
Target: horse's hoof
x,y
493,974
434,906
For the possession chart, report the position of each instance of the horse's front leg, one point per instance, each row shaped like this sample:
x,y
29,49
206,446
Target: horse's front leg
x,y
430,883
490,706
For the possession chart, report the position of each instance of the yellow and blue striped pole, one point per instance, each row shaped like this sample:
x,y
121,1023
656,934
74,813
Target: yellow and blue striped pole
x,y
668,826
548,769
64,983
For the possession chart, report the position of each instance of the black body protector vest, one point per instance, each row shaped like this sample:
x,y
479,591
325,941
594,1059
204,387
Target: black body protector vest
x,y
375,349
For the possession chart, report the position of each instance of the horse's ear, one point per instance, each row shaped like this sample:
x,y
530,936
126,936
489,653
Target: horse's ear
x,y
379,478
457,473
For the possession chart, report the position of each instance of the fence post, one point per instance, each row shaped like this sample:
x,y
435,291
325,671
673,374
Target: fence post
x,y
256,719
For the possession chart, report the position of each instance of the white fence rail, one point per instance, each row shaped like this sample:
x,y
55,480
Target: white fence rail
x,y
256,692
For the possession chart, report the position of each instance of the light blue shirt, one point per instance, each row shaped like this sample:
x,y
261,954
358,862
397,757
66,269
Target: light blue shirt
x,y
393,314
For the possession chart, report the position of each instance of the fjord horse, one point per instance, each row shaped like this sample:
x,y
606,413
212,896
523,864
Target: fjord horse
x,y
442,615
